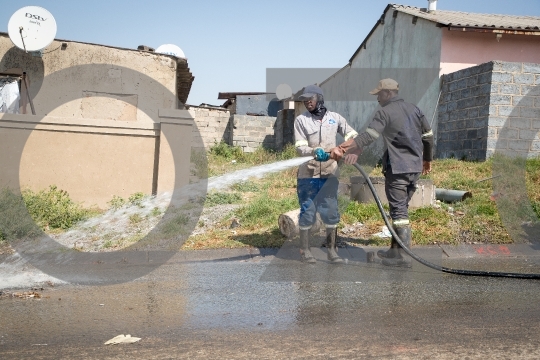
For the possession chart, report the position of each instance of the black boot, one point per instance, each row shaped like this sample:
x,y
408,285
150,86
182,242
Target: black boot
x,y
390,253
304,247
402,259
331,235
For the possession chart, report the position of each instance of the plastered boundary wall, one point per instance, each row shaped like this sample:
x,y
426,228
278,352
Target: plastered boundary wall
x,y
94,159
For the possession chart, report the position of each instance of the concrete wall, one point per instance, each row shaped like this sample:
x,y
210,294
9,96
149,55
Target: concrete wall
x,y
212,126
94,81
250,132
92,159
399,49
106,122
460,50
493,106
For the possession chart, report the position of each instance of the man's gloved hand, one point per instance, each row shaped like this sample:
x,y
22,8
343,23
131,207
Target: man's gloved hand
x,y
348,146
320,155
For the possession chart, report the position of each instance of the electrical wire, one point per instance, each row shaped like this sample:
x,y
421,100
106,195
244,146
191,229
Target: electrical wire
x,y
427,263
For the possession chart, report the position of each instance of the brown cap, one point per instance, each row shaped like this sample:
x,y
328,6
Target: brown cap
x,y
385,84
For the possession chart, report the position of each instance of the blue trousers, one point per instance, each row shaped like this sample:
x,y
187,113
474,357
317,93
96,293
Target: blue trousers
x,y
318,195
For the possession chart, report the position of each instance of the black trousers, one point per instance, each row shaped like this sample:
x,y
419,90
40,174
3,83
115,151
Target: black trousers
x,y
399,189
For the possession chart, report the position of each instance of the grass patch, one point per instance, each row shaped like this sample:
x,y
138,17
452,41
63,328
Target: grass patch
x,y
264,210
221,198
245,186
223,158
175,226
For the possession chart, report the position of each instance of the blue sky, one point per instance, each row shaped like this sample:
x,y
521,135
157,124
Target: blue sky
x,y
229,44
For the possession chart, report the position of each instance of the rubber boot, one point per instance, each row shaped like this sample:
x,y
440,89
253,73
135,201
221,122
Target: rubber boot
x,y
390,253
402,259
331,235
304,247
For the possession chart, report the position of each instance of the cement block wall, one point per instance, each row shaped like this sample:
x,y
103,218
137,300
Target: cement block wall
x,y
487,108
464,113
514,112
211,127
250,132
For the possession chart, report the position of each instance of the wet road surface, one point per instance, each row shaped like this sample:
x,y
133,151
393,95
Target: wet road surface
x,y
240,304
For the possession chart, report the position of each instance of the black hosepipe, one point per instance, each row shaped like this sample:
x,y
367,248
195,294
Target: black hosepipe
x,y
427,263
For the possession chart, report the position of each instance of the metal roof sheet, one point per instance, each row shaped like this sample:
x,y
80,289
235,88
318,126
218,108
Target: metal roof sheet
x,y
474,20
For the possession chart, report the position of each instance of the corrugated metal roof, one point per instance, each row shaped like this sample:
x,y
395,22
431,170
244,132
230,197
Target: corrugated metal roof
x,y
529,25
233,95
474,20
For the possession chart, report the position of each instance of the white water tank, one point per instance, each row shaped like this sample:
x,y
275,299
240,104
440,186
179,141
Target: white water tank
x,y
171,49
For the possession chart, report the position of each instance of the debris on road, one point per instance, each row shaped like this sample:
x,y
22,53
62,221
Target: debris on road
x,y
385,233
22,295
122,339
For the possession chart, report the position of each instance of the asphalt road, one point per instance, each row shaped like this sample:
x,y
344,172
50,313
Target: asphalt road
x,y
233,304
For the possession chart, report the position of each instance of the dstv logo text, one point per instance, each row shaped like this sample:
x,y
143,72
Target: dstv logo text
x,y
36,17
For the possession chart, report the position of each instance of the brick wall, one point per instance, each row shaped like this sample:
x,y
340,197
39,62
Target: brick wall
x,y
490,107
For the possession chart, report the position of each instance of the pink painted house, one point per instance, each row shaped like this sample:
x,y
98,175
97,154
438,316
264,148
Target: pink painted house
x,y
469,39
431,42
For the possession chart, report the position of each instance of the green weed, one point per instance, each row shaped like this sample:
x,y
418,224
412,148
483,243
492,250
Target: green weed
x,y
53,208
221,198
136,199
117,202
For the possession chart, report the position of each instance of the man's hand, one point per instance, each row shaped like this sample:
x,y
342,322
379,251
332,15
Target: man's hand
x,y
336,153
426,167
351,157
348,146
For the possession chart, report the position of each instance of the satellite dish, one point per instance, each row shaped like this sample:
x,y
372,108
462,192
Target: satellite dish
x,y
171,49
32,28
